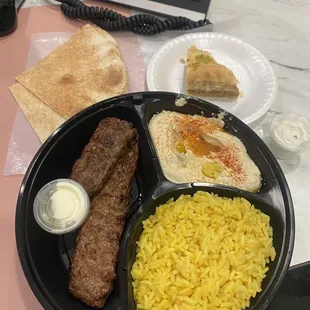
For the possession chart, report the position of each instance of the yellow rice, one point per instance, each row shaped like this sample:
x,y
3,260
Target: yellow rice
x,y
202,252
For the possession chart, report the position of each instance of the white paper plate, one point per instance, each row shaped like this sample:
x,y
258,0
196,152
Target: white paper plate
x,y
257,81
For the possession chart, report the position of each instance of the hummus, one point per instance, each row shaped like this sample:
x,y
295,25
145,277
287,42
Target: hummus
x,y
198,149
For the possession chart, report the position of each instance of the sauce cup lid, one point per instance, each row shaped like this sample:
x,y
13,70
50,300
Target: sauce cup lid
x,y
61,206
284,127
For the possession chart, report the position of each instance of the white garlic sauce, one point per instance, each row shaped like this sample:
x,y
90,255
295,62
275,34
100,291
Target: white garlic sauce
x,y
61,206
291,132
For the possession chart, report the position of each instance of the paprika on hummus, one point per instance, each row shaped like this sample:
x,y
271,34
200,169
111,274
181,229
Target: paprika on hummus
x,y
198,149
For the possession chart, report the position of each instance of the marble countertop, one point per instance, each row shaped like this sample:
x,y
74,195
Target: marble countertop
x,y
280,29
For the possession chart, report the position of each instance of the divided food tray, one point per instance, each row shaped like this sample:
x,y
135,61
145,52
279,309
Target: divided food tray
x,y
45,257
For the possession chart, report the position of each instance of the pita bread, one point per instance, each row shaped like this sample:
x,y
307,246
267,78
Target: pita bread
x,y
85,70
41,117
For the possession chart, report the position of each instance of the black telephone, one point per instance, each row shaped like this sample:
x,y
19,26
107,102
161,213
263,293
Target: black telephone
x,y
143,24
109,20
8,15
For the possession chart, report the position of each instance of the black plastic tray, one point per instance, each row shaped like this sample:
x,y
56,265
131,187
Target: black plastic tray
x,y
294,292
45,257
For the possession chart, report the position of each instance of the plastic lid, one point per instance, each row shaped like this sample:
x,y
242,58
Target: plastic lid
x,y
291,132
61,206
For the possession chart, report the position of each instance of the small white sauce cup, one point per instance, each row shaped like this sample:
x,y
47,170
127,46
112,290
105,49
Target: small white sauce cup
x,y
61,206
290,134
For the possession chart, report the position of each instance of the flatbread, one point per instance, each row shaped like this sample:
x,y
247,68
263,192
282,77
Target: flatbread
x,y
41,117
85,70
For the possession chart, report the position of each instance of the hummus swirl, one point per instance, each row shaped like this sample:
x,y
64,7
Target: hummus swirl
x,y
198,149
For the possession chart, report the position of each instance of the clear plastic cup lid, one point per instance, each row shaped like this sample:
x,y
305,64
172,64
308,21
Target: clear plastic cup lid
x,y
61,206
291,132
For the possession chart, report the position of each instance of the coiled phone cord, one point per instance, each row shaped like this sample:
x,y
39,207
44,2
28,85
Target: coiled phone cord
x,y
110,20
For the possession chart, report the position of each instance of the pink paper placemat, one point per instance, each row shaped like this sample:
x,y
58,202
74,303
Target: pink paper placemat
x,y
15,293
23,142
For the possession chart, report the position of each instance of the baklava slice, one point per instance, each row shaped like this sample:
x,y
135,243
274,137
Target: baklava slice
x,y
206,77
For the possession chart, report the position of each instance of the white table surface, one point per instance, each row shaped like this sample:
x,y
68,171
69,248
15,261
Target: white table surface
x,y
280,29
